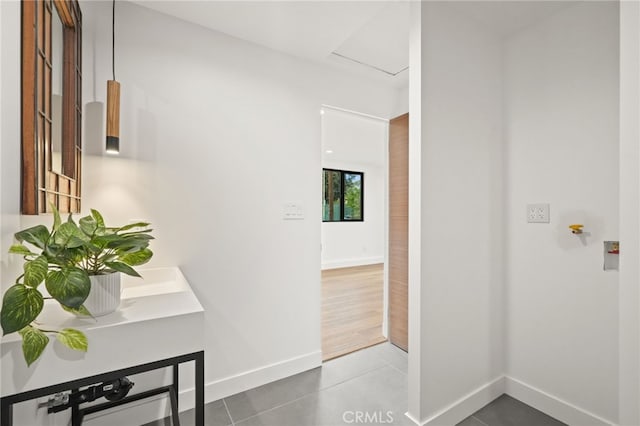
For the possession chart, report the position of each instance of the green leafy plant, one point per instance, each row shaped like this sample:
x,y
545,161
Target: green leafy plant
x,y
64,258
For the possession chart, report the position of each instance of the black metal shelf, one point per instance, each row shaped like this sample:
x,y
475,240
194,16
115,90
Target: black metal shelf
x,y
77,414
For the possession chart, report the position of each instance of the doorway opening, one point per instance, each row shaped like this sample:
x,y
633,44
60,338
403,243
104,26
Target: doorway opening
x,y
354,231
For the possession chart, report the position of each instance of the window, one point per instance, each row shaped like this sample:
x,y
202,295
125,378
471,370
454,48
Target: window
x,y
342,196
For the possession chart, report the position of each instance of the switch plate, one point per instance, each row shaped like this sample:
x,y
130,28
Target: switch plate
x,y
538,213
292,211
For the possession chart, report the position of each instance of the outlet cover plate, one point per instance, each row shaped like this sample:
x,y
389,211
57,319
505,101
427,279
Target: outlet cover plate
x,y
538,213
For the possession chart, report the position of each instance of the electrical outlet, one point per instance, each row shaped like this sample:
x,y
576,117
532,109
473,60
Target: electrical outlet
x,y
538,213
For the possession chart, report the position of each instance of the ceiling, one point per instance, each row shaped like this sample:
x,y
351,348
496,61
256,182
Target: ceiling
x,y
508,17
364,37
368,38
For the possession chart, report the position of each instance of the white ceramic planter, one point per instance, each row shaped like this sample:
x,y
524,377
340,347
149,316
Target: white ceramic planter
x,y
104,296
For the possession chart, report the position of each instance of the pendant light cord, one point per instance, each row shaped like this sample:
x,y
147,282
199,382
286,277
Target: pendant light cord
x,y
113,39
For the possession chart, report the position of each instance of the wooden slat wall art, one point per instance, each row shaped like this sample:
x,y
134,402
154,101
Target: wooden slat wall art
x,y
399,231
69,104
31,180
65,12
41,186
43,74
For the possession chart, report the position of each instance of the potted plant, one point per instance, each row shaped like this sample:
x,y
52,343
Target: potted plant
x,y
72,260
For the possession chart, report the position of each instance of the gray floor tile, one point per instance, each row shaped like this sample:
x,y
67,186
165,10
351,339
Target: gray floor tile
x,y
255,401
392,355
507,411
376,397
367,387
349,366
384,386
312,411
304,411
471,421
215,414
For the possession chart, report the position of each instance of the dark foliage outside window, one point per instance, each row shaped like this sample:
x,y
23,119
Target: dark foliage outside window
x,y
342,196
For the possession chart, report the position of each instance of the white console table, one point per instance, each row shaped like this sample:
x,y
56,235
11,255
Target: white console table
x,y
160,324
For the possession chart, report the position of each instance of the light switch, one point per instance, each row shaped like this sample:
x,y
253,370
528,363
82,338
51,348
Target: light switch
x,y
292,211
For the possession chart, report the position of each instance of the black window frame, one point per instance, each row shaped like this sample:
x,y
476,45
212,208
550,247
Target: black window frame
x,y
342,194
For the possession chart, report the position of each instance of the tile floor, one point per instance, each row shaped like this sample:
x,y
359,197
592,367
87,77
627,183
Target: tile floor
x,y
371,382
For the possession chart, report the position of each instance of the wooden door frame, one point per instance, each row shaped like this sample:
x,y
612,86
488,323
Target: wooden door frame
x,y
402,343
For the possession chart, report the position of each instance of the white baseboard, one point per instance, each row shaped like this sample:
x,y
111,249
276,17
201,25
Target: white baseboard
x,y
250,379
551,405
155,408
451,415
468,404
346,263
414,420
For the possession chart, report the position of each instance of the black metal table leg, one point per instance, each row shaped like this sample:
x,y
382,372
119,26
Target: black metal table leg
x,y
175,415
199,389
174,396
7,414
176,381
76,418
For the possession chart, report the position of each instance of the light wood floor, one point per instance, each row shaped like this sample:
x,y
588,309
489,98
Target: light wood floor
x,y
351,309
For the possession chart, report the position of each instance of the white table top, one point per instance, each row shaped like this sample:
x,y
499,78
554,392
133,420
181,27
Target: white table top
x,y
159,317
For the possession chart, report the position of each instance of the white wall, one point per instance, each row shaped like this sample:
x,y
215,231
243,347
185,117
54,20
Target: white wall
x,y
201,108
1,134
459,277
9,138
216,134
533,118
561,103
1,85
629,213
402,106
416,373
359,144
